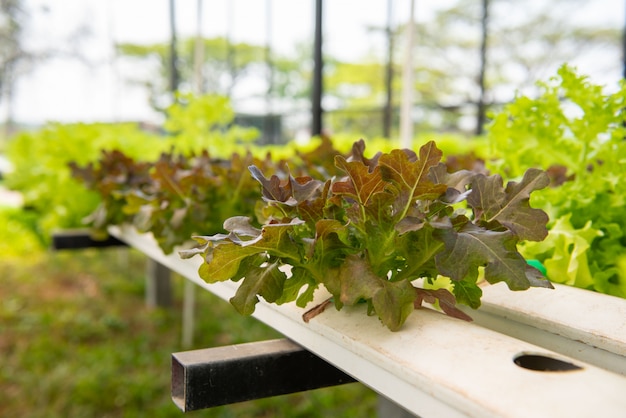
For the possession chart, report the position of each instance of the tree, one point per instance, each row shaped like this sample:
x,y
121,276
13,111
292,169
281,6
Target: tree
x,y
526,41
12,54
535,47
224,65
17,58
455,85
358,91
471,58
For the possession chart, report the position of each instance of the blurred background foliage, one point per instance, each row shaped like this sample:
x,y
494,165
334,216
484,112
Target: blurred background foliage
x,y
77,339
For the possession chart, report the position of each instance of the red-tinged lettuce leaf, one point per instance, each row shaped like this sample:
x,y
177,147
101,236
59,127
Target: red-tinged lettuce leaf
x,y
291,191
304,187
409,224
445,299
266,281
205,246
312,210
358,154
116,171
411,177
273,188
472,247
457,182
392,301
361,184
167,173
510,207
466,161
241,226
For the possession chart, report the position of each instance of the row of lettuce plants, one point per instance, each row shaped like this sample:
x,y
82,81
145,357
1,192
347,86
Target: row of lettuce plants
x,y
366,228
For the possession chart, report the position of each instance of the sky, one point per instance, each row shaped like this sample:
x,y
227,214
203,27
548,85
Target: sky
x,y
93,88
67,89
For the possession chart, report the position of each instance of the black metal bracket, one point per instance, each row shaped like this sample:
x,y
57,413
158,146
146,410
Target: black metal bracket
x,y
74,239
225,375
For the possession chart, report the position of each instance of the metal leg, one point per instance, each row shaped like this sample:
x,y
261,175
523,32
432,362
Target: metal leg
x,y
158,285
189,300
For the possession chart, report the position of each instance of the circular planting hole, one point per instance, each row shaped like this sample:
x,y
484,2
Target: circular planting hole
x,y
543,363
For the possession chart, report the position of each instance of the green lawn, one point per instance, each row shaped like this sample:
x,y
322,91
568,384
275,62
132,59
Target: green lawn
x,y
76,340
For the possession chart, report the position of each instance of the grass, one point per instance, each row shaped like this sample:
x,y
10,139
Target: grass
x,y
76,340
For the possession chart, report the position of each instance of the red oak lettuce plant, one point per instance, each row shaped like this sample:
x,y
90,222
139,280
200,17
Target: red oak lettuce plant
x,y
368,236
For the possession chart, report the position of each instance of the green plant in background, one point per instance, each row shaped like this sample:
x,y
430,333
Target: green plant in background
x,y
575,131
41,158
174,197
366,236
17,229
41,174
198,123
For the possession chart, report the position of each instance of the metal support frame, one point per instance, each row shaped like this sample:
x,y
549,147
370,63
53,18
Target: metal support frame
x,y
189,308
424,368
158,285
318,71
79,238
225,375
